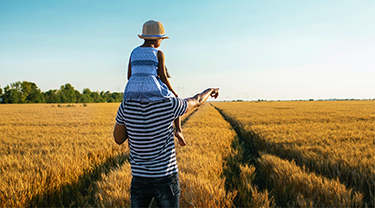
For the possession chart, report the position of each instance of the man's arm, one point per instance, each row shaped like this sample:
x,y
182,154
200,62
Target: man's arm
x,y
201,98
120,134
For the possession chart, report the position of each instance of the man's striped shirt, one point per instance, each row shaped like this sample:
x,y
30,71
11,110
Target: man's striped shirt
x,y
150,130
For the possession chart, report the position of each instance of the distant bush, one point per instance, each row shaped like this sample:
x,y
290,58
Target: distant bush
x,y
28,92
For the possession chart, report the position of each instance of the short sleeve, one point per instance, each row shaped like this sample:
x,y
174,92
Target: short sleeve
x,y
120,119
179,106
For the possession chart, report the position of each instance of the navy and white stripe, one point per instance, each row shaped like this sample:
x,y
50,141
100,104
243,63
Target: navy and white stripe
x,y
150,130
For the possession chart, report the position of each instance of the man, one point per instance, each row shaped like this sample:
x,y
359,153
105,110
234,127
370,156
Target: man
x,y
152,151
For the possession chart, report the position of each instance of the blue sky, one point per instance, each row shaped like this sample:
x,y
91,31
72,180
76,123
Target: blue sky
x,y
249,49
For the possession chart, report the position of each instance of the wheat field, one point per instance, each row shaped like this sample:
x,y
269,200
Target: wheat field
x,y
333,139
238,154
46,151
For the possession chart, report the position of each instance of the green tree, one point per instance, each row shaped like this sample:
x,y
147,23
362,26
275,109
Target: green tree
x,y
117,96
103,95
1,94
67,94
78,96
12,93
85,99
91,97
31,93
86,96
51,96
96,97
107,96
28,92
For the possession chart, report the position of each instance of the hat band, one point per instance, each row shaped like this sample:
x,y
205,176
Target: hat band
x,y
157,36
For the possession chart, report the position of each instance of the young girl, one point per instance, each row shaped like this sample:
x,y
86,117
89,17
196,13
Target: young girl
x,y
147,75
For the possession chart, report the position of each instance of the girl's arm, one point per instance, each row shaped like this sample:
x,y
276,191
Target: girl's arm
x,y
129,69
162,74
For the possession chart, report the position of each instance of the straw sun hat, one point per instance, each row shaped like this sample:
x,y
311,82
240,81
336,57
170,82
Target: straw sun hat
x,y
153,30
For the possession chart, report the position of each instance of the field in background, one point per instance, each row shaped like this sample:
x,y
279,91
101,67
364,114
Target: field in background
x,y
334,140
50,154
239,153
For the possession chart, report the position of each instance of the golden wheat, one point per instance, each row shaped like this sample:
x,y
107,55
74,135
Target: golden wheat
x,y
200,162
297,187
53,155
45,149
331,138
113,190
66,156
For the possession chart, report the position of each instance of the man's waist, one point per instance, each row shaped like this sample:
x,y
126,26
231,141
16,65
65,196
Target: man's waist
x,y
146,180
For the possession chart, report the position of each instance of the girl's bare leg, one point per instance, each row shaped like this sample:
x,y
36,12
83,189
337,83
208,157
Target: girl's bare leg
x,y
178,133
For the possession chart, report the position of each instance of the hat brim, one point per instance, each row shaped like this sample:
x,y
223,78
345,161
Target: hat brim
x,y
146,37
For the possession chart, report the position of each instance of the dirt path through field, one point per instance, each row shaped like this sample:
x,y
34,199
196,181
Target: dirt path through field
x,y
282,171
240,170
201,161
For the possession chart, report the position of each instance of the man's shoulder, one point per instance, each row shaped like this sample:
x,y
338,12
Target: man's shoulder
x,y
148,105
177,101
173,101
179,106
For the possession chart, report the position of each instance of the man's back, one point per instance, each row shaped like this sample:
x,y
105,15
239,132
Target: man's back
x,y
150,130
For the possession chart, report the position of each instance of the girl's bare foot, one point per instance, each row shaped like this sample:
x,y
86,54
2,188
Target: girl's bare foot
x,y
180,138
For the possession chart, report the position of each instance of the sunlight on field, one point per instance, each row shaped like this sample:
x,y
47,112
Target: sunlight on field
x,y
114,189
311,154
46,148
200,162
335,139
311,190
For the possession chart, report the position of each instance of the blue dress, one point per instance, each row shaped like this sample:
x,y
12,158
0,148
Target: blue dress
x,y
144,84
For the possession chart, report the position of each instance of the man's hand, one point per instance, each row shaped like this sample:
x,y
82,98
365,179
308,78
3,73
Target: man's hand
x,y
200,98
214,93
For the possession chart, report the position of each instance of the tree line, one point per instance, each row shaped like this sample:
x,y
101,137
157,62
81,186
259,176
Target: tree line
x,y
28,92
